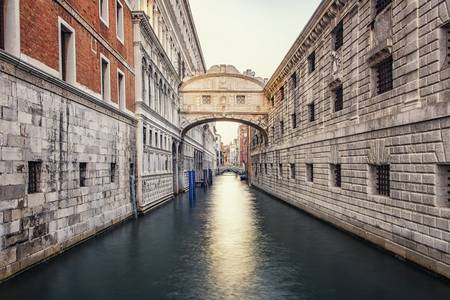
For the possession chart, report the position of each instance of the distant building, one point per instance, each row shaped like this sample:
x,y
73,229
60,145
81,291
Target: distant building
x,y
243,133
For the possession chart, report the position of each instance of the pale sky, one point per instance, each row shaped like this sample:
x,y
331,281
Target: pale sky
x,y
249,34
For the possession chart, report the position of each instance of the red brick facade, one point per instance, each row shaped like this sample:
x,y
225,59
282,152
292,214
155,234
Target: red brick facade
x,y
40,41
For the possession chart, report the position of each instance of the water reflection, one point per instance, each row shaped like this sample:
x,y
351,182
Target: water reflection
x,y
232,239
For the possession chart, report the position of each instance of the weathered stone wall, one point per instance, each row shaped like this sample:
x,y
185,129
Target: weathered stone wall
x,y
407,127
47,121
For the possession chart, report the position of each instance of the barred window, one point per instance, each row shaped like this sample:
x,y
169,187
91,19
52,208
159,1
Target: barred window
x,y
240,99
338,99
383,180
292,167
34,177
112,172
310,172
336,178
312,62
206,99
294,120
83,171
338,35
311,112
384,75
294,80
380,5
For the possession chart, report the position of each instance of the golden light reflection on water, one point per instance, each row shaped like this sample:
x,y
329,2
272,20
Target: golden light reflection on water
x,y
232,235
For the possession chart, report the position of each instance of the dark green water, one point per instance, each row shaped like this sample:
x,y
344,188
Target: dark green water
x,y
232,242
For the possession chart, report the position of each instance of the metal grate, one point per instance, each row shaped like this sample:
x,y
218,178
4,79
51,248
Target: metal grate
x,y
383,180
311,109
380,5
339,36
337,175
206,99
83,174
339,99
312,62
34,176
113,172
384,75
240,99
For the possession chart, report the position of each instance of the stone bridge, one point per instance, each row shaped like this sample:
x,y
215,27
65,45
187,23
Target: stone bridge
x,y
224,94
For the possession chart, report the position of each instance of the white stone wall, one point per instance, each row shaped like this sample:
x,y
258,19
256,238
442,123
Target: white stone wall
x,y
49,122
407,128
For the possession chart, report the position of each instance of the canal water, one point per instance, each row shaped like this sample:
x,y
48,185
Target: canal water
x,y
231,242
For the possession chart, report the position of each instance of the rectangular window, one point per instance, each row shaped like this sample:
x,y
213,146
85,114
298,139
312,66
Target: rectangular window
x,y
335,175
150,138
272,101
383,180
67,53
312,62
34,177
105,79
380,5
156,139
384,75
112,172
280,170
292,167
144,135
265,168
294,120
240,99
311,112
294,80
161,141
2,24
338,35
121,89
338,98
282,93
103,11
119,20
282,127
206,99
443,186
310,172
83,173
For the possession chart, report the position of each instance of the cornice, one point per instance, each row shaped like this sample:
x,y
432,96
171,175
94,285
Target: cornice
x,y
212,75
312,32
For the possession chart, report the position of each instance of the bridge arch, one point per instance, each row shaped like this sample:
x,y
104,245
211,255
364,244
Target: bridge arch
x,y
224,94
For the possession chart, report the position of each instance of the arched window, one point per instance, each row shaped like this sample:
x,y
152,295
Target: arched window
x,y
143,75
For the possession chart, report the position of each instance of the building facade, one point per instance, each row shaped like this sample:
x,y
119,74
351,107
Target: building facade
x,y
67,125
359,128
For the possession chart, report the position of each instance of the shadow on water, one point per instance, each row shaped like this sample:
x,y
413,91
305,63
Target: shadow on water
x,y
225,242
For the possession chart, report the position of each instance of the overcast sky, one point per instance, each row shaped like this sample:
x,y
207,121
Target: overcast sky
x,y
249,34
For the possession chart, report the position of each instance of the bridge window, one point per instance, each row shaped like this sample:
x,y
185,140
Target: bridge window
x,y
292,167
310,172
335,172
206,99
312,112
338,35
384,75
312,62
240,99
338,98
34,176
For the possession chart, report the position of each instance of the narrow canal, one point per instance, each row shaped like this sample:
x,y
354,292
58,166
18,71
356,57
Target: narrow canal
x,y
232,242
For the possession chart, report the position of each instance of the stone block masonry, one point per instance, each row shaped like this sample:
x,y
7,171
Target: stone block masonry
x,y
48,124
368,148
